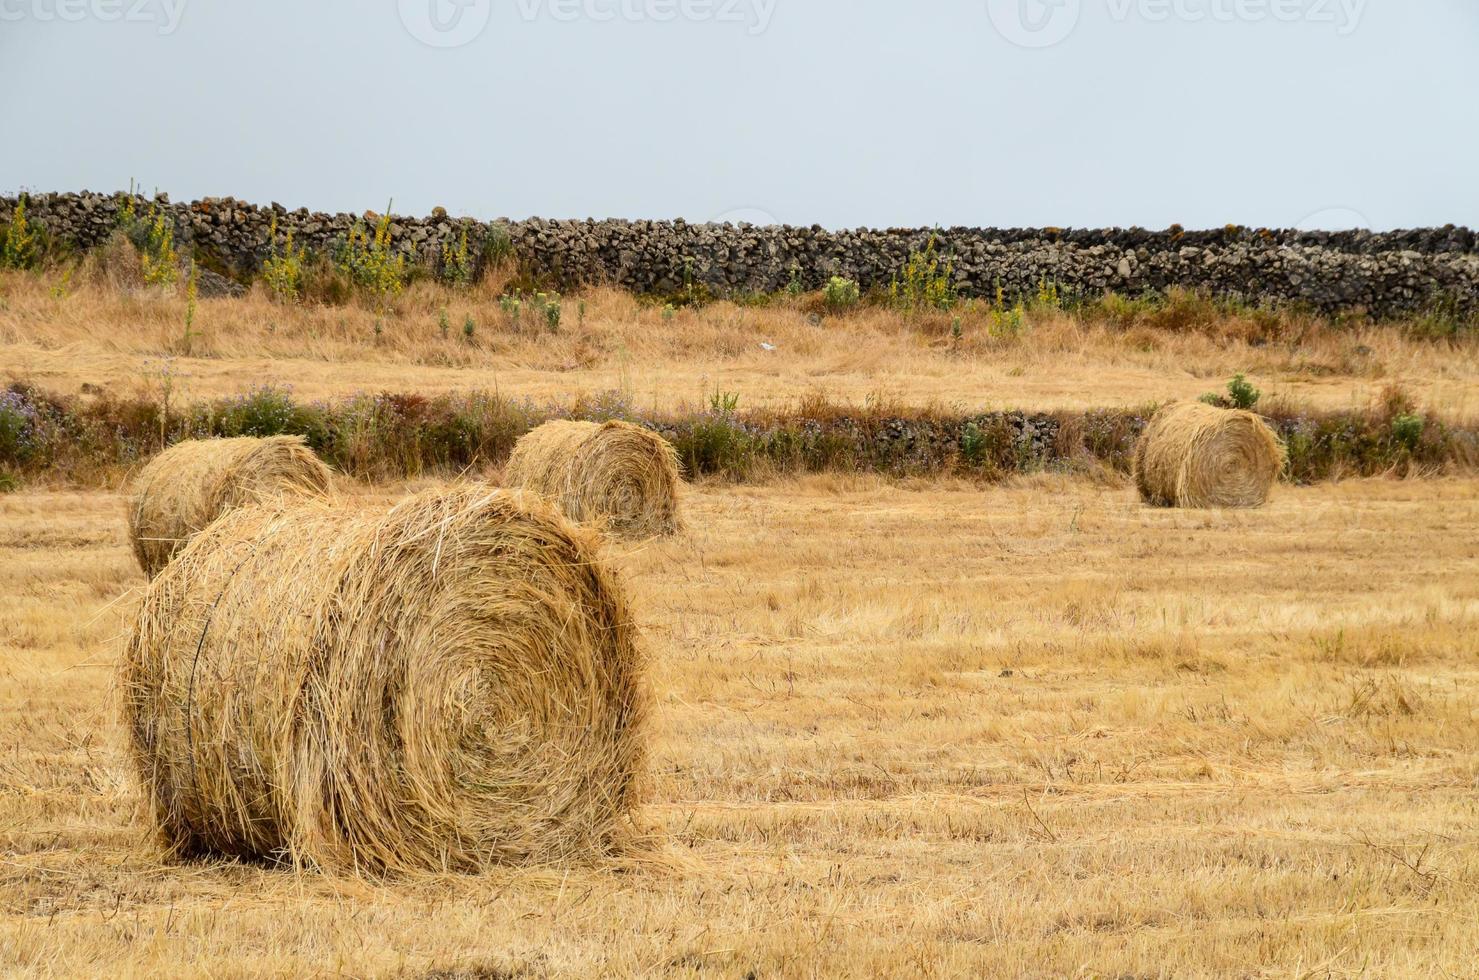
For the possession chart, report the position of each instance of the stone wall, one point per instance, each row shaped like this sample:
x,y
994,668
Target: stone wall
x,y
1382,274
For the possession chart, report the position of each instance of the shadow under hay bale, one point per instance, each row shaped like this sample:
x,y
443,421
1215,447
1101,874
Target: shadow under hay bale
x,y
179,492
617,473
1194,455
448,686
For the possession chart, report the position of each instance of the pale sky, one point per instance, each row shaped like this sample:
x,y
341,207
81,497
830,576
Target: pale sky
x,y
836,112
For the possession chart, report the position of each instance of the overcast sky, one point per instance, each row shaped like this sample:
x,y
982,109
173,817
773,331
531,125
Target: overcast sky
x,y
838,112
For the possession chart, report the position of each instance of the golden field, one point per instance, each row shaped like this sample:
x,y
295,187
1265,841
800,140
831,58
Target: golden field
x,y
49,335
903,729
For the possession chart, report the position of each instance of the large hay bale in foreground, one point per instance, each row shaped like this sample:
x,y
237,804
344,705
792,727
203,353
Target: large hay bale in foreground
x,y
1195,455
180,491
448,686
616,472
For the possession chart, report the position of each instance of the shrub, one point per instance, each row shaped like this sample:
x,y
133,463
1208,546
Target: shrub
x,y
1048,296
20,250
1407,431
1240,394
157,256
1442,316
973,444
20,435
511,307
717,441
457,263
1008,323
549,305
841,294
263,411
370,261
498,244
794,286
282,270
925,282
724,402
541,310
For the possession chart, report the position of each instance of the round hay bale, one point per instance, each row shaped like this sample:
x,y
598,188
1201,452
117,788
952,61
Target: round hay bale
x,y
180,491
1195,455
616,473
449,686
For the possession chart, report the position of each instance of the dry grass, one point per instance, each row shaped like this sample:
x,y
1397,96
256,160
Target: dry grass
x,y
192,483
1195,455
901,730
1058,363
447,686
616,474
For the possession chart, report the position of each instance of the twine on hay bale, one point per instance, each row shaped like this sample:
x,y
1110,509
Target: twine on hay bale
x,y
449,686
1195,455
180,491
617,473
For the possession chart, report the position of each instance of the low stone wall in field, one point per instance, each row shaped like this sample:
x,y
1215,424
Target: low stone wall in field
x,y
1384,274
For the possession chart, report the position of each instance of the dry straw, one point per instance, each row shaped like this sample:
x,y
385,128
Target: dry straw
x,y
616,473
449,686
1194,455
180,491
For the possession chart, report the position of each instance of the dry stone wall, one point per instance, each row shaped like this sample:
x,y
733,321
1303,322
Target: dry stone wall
x,y
1383,274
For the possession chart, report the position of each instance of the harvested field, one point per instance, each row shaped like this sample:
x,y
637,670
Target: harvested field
x,y
900,729
1058,362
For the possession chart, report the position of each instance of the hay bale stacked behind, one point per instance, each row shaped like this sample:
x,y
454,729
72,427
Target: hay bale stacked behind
x,y
614,472
1195,455
448,686
180,491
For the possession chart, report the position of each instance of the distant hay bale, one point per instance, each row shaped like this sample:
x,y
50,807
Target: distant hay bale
x,y
615,472
1194,455
449,686
180,491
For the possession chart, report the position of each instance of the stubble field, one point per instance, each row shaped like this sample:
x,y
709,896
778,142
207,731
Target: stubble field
x,y
903,729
